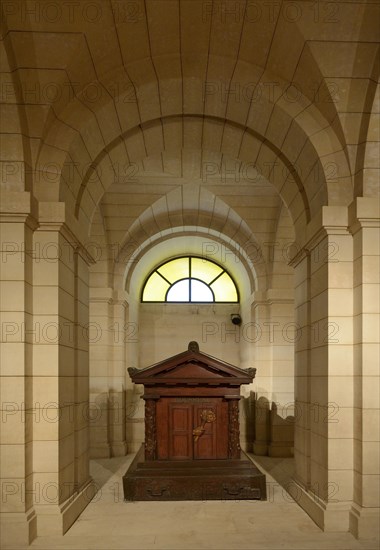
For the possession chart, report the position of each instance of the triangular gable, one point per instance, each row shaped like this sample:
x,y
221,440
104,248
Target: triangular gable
x,y
192,368
192,364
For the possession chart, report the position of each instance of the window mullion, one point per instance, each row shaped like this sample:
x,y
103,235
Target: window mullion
x,y
217,277
165,279
184,277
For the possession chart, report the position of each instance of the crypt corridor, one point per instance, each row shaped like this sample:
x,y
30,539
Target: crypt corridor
x,y
134,132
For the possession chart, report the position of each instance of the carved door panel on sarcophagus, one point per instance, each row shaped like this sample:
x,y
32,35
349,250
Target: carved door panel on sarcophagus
x,y
192,428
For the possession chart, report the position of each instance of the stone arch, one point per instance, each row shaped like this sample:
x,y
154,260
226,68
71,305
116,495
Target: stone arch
x,y
366,180
150,253
220,222
16,170
299,122
266,154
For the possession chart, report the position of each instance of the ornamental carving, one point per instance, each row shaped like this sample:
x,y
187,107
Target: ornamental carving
x,y
193,346
234,434
132,371
207,416
150,429
251,372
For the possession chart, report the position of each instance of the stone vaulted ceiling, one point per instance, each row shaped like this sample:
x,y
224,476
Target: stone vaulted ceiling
x,y
183,112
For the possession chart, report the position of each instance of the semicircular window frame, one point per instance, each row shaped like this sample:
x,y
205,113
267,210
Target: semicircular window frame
x,y
164,277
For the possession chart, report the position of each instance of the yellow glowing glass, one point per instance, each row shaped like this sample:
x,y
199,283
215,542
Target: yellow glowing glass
x,y
224,289
204,270
175,270
155,289
190,280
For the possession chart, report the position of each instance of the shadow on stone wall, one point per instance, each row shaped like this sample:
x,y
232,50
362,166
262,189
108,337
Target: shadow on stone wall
x,y
269,430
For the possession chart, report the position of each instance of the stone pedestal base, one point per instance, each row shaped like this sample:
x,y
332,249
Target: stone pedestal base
x,y
281,449
119,448
18,529
328,516
100,451
56,520
364,522
260,448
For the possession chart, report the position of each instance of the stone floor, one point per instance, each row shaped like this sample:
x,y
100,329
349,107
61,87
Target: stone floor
x,y
279,523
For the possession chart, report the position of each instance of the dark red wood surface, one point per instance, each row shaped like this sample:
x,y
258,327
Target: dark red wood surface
x,y
187,456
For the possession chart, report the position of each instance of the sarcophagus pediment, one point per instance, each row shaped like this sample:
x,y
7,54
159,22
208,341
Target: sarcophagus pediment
x,y
190,365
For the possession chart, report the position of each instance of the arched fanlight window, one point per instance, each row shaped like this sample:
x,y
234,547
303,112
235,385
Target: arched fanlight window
x,y
190,279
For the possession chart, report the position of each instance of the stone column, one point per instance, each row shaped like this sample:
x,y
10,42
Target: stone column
x,y
324,372
122,332
283,334
258,334
364,225
134,412
273,336
62,485
302,368
82,371
247,403
18,516
107,372
101,342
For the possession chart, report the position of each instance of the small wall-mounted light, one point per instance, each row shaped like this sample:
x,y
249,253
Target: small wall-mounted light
x,y
235,319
